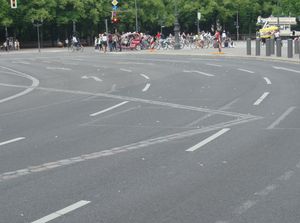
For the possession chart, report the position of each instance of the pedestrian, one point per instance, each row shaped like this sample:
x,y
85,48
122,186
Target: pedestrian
x,y
110,42
104,42
218,40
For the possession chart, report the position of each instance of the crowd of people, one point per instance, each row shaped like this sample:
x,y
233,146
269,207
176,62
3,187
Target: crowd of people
x,y
10,44
140,41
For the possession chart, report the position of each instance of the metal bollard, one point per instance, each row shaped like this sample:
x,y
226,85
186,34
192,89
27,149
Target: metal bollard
x,y
278,47
290,48
297,46
257,51
272,46
268,47
248,46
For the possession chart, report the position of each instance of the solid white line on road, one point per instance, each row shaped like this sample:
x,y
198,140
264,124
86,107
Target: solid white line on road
x,y
146,87
247,71
11,141
286,69
62,212
209,139
198,72
214,65
126,70
281,118
109,109
267,80
261,98
145,76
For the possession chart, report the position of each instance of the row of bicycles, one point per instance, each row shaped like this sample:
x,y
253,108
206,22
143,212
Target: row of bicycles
x,y
140,42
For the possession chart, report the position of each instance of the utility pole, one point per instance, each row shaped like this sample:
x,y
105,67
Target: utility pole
x,y
237,26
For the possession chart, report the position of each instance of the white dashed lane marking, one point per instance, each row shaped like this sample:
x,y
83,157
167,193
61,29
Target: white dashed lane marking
x,y
209,139
247,71
109,109
62,212
11,141
261,98
199,72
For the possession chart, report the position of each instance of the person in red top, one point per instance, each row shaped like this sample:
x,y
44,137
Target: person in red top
x,y
218,40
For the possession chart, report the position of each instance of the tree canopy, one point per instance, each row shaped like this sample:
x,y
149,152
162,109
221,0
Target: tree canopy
x,y
58,16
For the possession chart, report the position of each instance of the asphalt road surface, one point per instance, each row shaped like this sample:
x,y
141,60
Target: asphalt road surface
x,y
144,138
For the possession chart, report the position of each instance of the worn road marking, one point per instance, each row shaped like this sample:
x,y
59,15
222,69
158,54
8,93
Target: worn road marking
x,y
281,118
62,212
125,70
209,139
198,72
109,109
267,80
11,141
286,69
113,151
92,77
145,76
261,98
227,106
145,101
58,68
214,65
146,87
247,71
20,62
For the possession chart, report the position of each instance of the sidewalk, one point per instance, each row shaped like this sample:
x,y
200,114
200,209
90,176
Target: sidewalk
x,y
238,51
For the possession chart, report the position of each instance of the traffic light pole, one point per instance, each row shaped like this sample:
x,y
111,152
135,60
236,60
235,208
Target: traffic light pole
x,y
38,25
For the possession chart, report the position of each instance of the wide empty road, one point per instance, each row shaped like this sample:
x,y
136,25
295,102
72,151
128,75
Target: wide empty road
x,y
144,138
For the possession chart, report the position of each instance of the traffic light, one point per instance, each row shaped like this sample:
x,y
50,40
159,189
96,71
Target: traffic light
x,y
115,20
13,4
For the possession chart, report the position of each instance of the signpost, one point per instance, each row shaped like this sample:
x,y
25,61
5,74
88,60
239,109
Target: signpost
x,y
198,20
114,18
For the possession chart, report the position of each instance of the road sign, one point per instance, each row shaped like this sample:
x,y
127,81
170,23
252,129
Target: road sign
x,y
114,2
13,4
199,15
115,8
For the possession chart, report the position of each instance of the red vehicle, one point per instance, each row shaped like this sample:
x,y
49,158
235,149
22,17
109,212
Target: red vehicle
x,y
131,41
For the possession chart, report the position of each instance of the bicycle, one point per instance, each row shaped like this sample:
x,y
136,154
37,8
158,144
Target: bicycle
x,y
77,47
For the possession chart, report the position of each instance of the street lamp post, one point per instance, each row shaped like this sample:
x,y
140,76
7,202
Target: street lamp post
x,y
38,24
136,17
176,29
237,26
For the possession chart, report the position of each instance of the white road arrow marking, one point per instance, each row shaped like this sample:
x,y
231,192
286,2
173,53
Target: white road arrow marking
x,y
92,77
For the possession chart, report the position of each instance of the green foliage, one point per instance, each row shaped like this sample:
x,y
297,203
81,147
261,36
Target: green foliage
x,y
89,15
